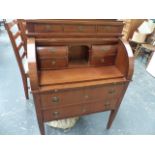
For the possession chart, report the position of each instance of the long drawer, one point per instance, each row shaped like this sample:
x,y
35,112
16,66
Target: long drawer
x,y
61,98
77,110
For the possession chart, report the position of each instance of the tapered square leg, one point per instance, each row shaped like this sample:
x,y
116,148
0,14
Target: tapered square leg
x,y
111,118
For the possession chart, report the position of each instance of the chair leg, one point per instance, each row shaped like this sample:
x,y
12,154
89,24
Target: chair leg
x,y
25,84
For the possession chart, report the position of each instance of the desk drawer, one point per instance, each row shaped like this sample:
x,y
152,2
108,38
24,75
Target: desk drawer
x,y
48,28
102,93
61,98
52,52
78,110
110,29
54,63
81,96
79,28
103,55
66,112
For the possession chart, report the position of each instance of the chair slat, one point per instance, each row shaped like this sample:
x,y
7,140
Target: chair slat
x,y
17,35
20,46
23,55
11,24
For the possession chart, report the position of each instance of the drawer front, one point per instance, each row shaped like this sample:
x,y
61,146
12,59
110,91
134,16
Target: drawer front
x,y
104,105
52,52
103,55
48,28
102,93
62,98
102,61
53,63
105,50
78,110
66,112
110,29
79,28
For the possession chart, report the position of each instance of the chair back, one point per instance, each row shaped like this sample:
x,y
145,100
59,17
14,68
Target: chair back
x,y
16,38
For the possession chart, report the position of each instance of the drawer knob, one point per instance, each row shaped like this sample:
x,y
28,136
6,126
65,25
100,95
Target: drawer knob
x,y
56,114
55,100
53,62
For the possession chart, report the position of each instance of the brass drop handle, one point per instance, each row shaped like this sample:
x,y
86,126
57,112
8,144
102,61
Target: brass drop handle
x,y
112,91
48,27
83,110
80,28
107,103
51,49
102,60
56,114
53,62
55,100
86,96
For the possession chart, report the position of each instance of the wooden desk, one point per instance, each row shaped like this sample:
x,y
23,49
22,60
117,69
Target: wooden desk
x,y
77,67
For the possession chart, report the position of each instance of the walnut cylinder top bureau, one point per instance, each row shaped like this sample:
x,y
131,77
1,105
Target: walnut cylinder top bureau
x,y
77,67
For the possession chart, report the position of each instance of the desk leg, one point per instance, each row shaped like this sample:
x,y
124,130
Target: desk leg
x,y
111,118
114,112
39,114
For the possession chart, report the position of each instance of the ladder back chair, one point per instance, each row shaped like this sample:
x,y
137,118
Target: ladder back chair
x,y
19,47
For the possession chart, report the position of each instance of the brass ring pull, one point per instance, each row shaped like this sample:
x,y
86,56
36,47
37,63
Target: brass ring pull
x,y
102,60
112,91
48,27
80,28
53,62
55,100
86,96
56,114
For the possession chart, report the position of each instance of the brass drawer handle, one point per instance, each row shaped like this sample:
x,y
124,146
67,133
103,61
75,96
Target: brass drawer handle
x,y
86,96
112,91
55,100
53,62
48,27
56,114
107,103
51,49
80,28
102,60
83,110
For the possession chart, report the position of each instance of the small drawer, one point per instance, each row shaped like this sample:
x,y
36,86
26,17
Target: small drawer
x,y
66,112
53,63
103,61
110,29
104,50
48,28
79,28
52,52
62,98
